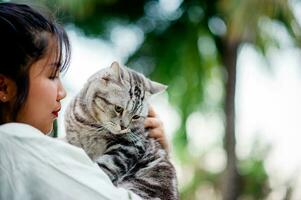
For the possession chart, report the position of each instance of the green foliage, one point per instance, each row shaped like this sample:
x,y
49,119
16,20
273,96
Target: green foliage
x,y
254,179
200,179
55,128
94,16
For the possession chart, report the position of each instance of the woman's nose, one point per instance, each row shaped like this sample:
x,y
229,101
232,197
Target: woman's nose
x,y
61,91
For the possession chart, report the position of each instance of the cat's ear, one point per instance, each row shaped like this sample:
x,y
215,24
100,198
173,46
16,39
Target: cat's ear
x,y
116,72
156,88
115,67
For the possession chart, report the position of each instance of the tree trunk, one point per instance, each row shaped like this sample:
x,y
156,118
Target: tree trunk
x,y
230,182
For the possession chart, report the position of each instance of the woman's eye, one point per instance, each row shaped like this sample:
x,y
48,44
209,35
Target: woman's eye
x,y
118,109
53,77
136,117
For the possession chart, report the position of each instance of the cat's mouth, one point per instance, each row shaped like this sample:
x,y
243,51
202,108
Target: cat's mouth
x,y
124,131
115,129
120,132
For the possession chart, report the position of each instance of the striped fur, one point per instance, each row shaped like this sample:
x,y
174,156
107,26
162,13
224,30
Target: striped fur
x,y
106,119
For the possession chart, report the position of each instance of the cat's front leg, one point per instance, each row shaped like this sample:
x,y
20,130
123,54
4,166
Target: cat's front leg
x,y
108,164
115,164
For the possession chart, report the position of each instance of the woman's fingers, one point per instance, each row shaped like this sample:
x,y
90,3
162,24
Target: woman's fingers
x,y
151,112
158,134
156,131
152,122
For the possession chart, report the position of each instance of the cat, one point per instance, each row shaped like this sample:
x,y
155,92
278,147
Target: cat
x,y
106,119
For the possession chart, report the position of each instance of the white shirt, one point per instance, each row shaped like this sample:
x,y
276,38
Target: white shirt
x,y
38,167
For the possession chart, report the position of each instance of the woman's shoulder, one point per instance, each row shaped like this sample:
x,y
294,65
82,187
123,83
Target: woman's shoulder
x,y
53,165
20,135
18,129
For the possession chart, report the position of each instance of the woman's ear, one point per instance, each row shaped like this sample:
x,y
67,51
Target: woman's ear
x,y
8,89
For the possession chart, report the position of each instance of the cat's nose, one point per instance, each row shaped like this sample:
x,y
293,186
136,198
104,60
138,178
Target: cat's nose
x,y
122,127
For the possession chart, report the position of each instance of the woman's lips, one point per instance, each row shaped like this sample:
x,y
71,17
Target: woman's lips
x,y
56,113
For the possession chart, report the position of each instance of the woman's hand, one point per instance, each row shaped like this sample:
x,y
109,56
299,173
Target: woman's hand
x,y
156,129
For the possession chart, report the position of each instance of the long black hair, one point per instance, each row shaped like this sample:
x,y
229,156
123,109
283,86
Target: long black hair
x,y
23,42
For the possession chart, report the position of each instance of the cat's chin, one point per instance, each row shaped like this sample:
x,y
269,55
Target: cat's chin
x,y
120,132
124,131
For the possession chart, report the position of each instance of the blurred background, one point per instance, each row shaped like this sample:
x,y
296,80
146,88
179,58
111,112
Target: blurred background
x,y
232,110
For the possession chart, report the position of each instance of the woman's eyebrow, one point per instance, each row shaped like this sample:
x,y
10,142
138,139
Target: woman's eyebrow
x,y
53,67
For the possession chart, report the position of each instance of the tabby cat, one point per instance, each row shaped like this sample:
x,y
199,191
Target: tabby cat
x,y
106,119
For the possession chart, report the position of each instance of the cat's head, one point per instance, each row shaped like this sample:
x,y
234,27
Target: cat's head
x,y
118,98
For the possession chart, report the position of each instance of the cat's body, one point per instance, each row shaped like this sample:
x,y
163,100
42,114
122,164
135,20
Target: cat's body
x,y
106,120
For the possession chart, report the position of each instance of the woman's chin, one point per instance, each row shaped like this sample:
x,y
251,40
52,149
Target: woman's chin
x,y
47,130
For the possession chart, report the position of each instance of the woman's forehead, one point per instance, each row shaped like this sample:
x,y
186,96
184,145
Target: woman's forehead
x,y
49,63
51,60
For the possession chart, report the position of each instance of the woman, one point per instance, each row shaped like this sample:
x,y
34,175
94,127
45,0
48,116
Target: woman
x,y
34,51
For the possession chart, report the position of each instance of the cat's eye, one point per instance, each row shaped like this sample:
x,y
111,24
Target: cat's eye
x,y
118,109
136,117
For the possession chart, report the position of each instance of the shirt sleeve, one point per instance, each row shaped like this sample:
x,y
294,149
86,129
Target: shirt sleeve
x,y
34,166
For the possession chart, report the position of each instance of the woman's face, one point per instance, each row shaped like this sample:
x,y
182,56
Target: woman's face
x,y
45,92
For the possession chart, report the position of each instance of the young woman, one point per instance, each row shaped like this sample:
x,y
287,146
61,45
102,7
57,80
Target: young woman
x,y
34,51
